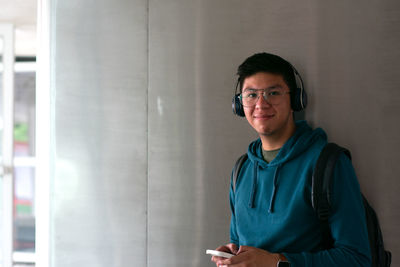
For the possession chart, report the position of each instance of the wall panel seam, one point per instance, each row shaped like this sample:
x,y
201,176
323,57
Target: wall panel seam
x,y
147,130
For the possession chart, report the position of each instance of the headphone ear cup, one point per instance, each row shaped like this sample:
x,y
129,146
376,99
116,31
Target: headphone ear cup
x,y
237,107
297,100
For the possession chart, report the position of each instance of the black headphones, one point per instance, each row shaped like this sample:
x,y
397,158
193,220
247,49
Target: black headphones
x,y
298,98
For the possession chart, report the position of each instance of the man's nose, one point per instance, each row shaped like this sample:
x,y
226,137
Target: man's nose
x,y
261,101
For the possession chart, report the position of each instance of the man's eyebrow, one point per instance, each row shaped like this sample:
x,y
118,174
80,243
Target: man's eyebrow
x,y
277,86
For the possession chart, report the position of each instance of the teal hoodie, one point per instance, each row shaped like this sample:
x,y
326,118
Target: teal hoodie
x,y
271,206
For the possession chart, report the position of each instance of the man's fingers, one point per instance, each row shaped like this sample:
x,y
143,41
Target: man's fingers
x,y
229,248
216,258
224,262
244,249
233,248
224,249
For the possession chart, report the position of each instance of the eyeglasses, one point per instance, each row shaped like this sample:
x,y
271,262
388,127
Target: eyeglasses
x,y
250,97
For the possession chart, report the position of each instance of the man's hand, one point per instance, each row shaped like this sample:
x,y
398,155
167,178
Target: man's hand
x,y
250,257
229,248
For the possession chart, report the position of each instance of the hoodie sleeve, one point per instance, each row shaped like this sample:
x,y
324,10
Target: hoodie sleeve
x,y
233,234
347,224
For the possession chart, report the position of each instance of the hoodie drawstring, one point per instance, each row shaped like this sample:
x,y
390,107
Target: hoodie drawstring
x,y
272,201
254,188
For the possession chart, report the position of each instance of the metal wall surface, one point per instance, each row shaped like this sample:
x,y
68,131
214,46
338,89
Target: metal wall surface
x,y
99,192
145,136
356,98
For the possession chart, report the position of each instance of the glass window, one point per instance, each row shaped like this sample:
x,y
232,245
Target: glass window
x,y
24,163
24,220
24,116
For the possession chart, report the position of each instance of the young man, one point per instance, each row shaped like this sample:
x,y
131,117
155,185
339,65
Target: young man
x,y
272,219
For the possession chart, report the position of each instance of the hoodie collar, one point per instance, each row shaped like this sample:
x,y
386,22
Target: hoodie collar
x,y
303,137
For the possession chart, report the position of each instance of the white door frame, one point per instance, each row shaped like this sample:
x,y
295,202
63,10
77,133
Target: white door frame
x,y
43,134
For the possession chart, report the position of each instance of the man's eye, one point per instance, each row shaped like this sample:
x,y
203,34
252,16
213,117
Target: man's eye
x,y
252,95
274,93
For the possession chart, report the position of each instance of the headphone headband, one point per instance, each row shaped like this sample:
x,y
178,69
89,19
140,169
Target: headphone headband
x,y
299,100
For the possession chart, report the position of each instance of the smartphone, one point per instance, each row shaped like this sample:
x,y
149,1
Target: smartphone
x,y
219,253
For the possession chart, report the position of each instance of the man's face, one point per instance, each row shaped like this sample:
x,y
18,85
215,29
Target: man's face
x,y
267,119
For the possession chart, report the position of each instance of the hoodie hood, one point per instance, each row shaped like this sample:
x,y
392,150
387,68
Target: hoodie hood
x,y
301,140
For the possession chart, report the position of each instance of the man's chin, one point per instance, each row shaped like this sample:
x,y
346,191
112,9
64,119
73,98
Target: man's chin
x,y
265,132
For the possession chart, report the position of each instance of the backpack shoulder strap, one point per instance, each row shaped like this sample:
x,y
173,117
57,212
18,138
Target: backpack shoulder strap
x,y
236,169
380,256
321,187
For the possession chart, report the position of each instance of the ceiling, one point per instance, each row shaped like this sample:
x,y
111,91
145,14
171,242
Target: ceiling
x,y
22,14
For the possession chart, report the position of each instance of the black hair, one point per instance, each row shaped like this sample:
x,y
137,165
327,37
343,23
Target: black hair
x,y
265,62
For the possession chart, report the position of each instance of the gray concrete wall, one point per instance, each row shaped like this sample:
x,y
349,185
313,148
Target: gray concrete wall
x,y
145,138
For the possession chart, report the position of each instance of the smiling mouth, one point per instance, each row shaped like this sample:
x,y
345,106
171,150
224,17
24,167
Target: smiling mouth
x,y
264,116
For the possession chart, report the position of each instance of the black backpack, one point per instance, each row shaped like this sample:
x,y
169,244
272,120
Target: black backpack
x,y
320,196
